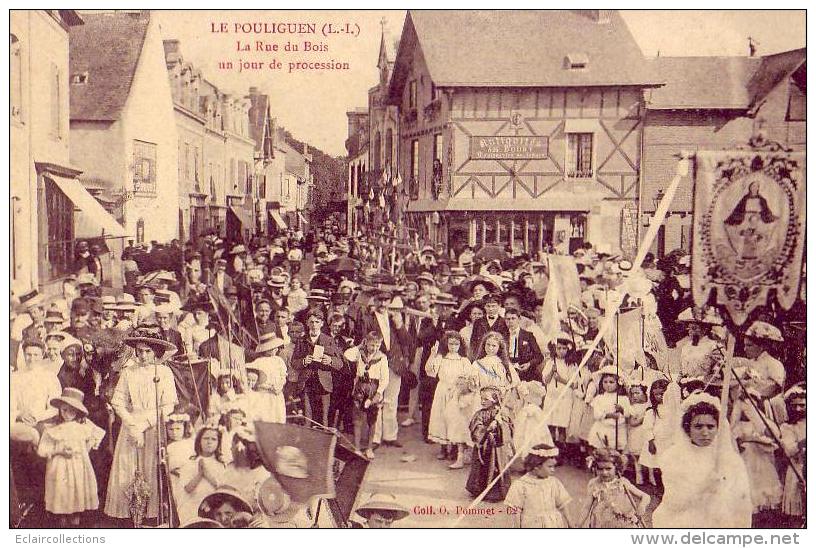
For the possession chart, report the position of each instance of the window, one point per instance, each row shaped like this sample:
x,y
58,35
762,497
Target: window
x,y
79,78
577,61
412,94
57,255
186,161
144,166
233,182
797,103
262,189
438,151
435,93
56,104
195,165
414,169
16,74
376,151
389,148
579,155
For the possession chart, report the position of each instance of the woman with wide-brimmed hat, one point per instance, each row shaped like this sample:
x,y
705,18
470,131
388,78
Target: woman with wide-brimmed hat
x,y
141,387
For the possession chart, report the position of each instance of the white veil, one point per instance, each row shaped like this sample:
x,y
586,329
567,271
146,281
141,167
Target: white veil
x,y
704,486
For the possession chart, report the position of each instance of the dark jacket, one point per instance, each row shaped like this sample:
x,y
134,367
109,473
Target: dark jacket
x,y
528,351
314,371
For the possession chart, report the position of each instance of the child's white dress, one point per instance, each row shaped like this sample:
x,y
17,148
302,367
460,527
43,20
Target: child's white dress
x,y
187,503
453,405
529,430
656,426
766,489
638,435
70,482
539,500
604,431
559,406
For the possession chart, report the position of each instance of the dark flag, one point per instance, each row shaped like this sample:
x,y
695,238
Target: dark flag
x,y
229,321
352,470
192,382
300,458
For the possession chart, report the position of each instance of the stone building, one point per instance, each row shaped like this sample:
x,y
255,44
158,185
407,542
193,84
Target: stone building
x,y
714,103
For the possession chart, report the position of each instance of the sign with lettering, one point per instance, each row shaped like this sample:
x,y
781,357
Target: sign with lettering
x,y
509,147
629,228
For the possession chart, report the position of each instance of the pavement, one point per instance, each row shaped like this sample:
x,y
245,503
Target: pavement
x,y
436,495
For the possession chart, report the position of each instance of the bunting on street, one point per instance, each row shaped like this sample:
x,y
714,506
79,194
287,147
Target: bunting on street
x,y
749,220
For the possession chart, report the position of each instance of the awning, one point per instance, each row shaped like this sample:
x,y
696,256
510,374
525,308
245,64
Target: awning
x,y
302,218
278,219
242,217
93,220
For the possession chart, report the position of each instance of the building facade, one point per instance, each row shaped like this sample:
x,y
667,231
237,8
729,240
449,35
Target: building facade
x,y
123,125
536,145
714,103
357,152
46,197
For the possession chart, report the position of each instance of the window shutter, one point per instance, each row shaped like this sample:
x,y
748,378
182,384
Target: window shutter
x,y
572,146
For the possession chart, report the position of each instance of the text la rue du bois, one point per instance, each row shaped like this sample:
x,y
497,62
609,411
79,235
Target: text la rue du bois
x,y
254,44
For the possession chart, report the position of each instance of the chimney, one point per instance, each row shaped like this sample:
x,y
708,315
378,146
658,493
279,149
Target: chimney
x,y
604,16
752,47
253,90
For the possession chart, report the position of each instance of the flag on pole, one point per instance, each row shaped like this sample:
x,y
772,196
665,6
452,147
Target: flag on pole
x,y
192,382
300,458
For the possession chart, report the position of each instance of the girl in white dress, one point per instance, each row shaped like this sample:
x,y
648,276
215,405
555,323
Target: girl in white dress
x,y
272,373
179,430
539,499
555,375
454,398
658,429
637,433
70,482
202,474
611,409
493,364
757,444
530,429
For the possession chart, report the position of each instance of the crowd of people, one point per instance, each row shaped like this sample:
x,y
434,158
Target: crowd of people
x,y
492,353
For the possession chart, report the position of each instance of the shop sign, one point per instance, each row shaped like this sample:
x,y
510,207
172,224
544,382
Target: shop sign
x,y
509,147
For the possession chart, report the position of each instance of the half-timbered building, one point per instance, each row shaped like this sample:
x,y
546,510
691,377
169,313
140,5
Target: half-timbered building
x,y
521,128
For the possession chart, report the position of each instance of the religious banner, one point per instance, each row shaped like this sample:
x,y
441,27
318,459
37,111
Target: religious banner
x,y
749,221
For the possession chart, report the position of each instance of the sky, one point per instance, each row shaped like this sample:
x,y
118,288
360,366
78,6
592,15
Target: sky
x,y
312,105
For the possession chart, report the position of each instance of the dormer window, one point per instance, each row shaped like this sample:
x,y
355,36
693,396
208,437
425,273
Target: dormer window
x,y
79,78
577,61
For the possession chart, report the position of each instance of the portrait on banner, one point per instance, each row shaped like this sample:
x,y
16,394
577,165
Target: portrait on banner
x,y
749,228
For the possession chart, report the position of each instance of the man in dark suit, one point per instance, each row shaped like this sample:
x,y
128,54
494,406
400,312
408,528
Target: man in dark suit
x,y
340,402
386,319
315,368
491,322
95,264
164,318
524,351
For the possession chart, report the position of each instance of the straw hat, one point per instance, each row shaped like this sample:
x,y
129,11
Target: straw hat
x,y
152,337
426,277
383,503
72,397
238,249
268,342
201,523
125,301
764,330
219,497
708,316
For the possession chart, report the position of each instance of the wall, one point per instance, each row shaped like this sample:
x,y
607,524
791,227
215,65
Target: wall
x,y
148,116
43,44
669,132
